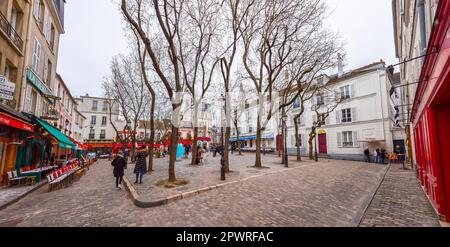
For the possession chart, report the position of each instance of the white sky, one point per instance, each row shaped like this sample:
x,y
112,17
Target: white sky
x,y
94,35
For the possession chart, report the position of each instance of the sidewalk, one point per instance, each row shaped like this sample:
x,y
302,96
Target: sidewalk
x,y
400,202
201,178
10,195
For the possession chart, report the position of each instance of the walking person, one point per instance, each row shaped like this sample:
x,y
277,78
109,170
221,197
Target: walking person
x,y
141,165
378,156
119,163
367,154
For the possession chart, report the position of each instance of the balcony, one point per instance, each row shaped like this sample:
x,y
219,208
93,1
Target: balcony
x,y
10,32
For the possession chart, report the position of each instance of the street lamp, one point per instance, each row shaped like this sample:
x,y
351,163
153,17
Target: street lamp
x,y
284,119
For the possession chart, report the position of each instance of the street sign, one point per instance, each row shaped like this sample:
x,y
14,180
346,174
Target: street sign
x,y
6,88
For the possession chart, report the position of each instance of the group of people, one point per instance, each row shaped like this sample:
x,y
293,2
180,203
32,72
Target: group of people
x,y
120,164
380,156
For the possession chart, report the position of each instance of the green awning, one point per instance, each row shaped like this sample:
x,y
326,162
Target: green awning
x,y
63,140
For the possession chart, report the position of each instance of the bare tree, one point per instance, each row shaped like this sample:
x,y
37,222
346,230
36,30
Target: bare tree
x,y
197,54
126,87
271,33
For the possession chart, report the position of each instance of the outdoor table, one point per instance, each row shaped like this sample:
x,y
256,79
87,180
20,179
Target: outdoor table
x,y
37,172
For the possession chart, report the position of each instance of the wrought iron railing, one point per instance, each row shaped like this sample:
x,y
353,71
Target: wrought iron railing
x,y
10,32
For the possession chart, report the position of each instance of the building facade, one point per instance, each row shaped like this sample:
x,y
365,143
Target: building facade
x,y
98,132
78,125
422,38
64,107
363,120
41,57
14,25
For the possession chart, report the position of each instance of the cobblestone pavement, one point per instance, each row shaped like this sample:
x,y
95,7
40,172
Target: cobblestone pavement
x,y
201,176
328,193
400,202
9,194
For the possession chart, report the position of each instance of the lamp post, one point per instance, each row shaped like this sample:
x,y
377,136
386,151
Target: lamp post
x,y
285,154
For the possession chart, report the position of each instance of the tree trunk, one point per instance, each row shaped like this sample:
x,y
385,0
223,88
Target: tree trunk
x,y
152,135
173,153
310,142
133,148
297,141
258,163
226,149
239,143
194,146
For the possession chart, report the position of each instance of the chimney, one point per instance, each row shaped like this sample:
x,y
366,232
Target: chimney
x,y
340,63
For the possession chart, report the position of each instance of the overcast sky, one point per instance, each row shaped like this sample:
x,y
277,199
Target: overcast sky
x,y
94,34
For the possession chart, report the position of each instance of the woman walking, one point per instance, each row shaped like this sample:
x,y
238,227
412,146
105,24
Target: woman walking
x,y
141,165
119,164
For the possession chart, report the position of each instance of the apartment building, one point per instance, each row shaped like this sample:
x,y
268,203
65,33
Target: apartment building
x,y
98,132
64,107
46,24
422,41
78,125
362,120
13,35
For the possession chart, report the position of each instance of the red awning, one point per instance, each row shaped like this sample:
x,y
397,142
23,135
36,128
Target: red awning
x,y
11,121
204,139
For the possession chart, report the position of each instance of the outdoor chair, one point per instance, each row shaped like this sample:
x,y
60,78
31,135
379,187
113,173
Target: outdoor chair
x,y
12,176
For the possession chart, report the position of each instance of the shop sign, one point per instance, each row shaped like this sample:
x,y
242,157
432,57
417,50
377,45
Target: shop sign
x,y
6,88
6,120
37,83
322,132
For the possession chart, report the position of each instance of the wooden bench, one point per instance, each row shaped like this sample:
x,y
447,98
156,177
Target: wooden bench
x,y
13,178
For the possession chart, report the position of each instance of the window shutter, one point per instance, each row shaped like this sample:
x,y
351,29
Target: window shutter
x,y
354,116
355,139
338,116
293,140
339,139
314,119
353,91
45,76
28,99
302,120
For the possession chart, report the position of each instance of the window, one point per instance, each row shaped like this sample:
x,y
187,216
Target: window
x,y
52,37
346,115
297,103
347,139
103,134
104,119
205,107
92,134
294,141
320,81
321,120
36,55
105,106
95,105
345,92
93,120
34,102
301,120
37,10
320,99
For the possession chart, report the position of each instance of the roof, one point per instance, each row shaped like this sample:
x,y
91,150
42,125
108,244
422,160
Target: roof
x,y
357,72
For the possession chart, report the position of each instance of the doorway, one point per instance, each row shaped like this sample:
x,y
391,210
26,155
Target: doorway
x,y
323,148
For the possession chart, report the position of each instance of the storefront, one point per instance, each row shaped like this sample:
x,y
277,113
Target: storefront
x,y
14,130
431,116
99,148
50,142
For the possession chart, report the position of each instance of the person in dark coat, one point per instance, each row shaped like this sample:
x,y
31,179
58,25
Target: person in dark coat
x,y
367,154
119,164
141,165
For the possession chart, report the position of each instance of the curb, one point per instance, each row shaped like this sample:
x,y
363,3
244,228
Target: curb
x,y
23,195
151,204
360,218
